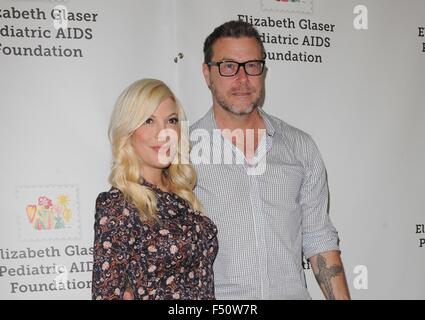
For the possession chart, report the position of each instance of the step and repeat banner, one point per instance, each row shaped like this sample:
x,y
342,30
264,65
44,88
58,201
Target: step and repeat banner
x,y
63,65
349,73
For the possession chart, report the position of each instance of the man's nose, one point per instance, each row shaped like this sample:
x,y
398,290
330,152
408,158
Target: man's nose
x,y
241,74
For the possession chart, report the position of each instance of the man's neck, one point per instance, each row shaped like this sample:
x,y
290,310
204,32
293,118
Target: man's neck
x,y
235,128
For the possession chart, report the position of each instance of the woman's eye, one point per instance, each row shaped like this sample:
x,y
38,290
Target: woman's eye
x,y
149,121
173,120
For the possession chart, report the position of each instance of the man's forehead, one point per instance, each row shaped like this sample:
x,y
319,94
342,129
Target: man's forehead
x,y
242,45
231,40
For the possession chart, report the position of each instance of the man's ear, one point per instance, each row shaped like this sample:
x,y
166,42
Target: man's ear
x,y
206,72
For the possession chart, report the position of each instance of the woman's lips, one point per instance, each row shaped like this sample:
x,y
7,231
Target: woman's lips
x,y
158,148
163,149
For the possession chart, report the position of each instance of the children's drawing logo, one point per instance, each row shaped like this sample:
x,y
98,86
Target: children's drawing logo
x,y
48,212
47,215
305,6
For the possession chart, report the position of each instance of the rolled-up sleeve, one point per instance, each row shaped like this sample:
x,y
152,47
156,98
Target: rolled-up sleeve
x,y
319,234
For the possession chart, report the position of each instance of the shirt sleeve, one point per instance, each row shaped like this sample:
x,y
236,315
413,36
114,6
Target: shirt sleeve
x,y
319,234
112,248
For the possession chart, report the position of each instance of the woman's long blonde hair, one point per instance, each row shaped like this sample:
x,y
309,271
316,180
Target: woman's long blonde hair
x,y
133,107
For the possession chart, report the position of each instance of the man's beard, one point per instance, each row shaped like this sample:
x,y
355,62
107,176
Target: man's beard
x,y
222,101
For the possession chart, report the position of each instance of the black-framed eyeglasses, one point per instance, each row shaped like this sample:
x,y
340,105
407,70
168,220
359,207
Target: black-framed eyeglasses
x,y
230,68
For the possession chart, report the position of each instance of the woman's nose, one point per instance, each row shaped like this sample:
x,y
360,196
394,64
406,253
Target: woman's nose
x,y
161,132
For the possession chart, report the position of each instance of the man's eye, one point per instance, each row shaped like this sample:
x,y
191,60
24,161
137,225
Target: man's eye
x,y
229,66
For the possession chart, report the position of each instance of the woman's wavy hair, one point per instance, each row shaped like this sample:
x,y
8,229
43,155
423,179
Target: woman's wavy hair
x,y
133,107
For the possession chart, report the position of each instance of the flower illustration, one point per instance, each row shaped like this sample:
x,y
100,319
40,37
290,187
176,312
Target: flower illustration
x,y
63,200
57,210
45,202
47,215
67,214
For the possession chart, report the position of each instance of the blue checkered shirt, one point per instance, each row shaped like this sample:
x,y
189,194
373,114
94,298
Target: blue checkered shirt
x,y
266,222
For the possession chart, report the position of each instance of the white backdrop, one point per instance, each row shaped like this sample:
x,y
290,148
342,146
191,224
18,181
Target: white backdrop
x,y
363,105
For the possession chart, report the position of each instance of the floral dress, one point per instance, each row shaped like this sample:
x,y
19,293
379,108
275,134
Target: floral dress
x,y
169,259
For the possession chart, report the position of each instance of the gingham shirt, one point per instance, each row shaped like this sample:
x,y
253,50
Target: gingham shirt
x,y
266,222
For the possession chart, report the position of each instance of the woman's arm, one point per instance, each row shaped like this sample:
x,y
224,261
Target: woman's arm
x,y
112,248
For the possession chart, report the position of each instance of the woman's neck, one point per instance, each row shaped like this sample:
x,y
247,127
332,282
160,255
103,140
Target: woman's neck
x,y
156,178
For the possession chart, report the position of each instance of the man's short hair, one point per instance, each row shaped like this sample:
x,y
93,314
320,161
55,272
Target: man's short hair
x,y
231,29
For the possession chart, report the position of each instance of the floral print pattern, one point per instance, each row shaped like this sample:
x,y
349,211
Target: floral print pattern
x,y
168,259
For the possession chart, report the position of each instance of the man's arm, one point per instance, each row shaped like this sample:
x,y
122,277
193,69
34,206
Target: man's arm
x,y
329,272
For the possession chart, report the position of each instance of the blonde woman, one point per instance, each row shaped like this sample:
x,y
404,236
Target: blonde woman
x,y
151,239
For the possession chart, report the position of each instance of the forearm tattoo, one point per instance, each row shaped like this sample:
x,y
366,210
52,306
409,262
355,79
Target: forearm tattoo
x,y
324,276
